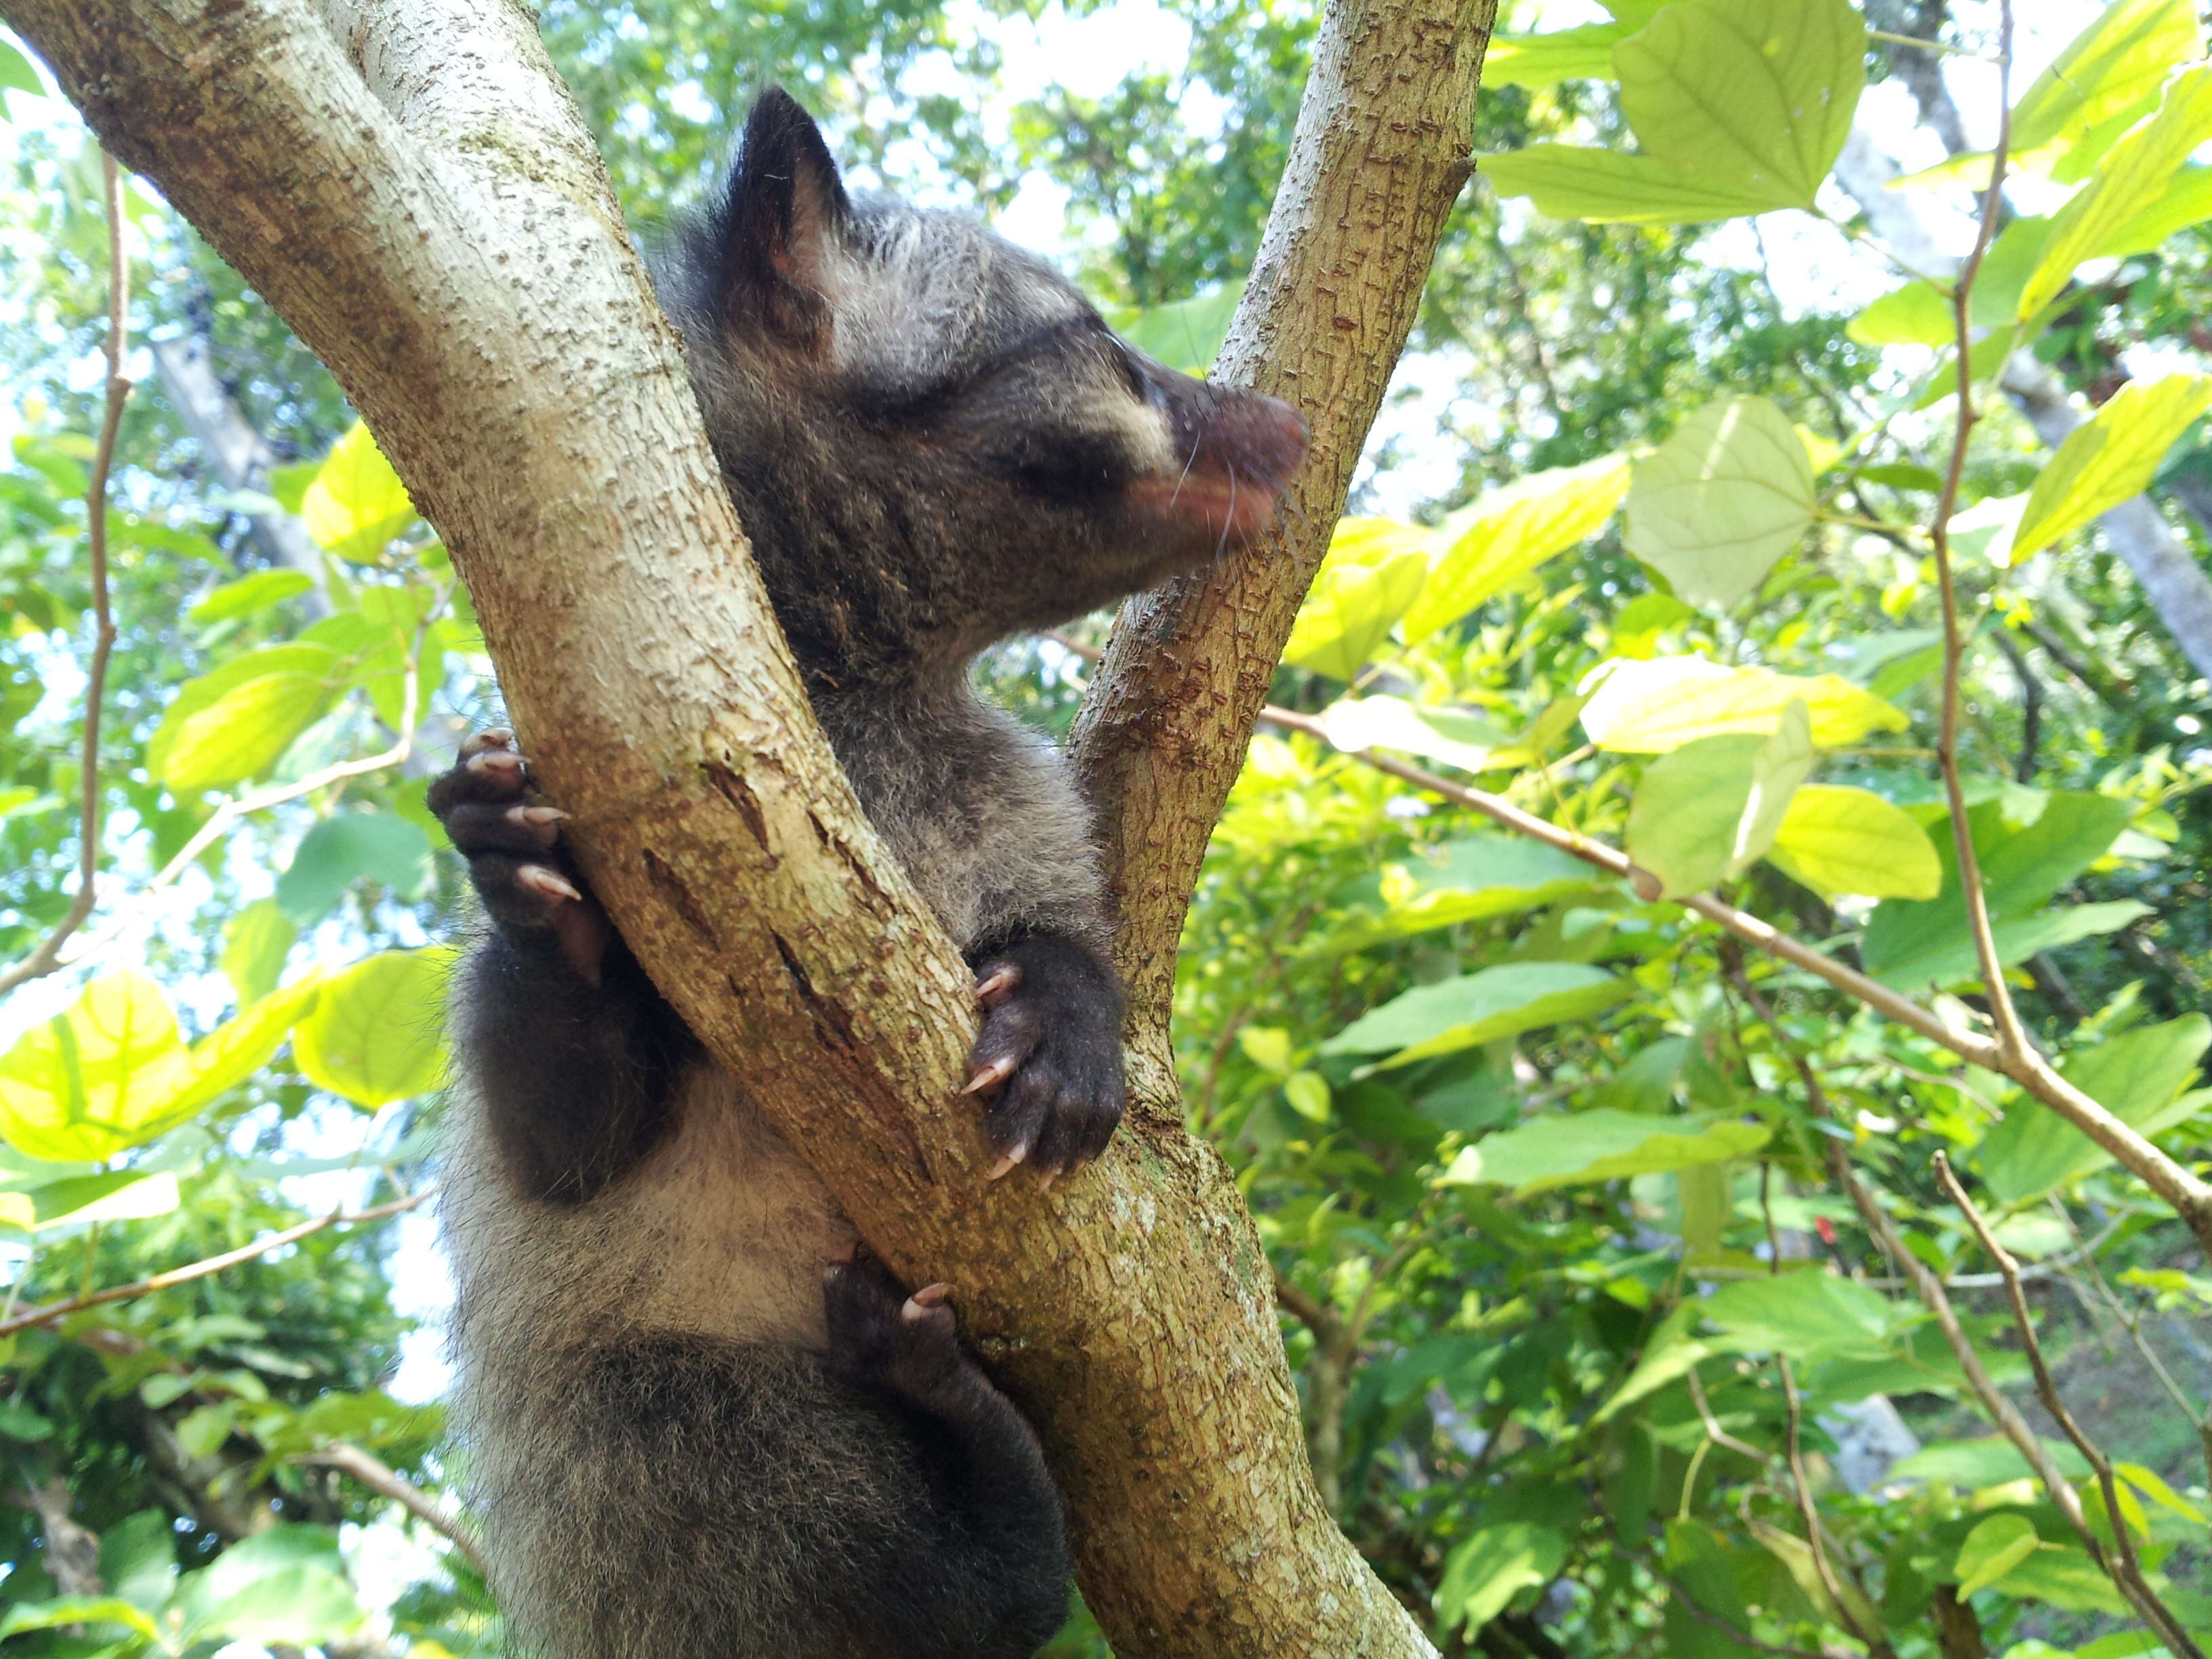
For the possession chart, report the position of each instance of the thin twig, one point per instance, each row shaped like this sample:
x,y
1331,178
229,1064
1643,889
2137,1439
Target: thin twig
x,y
2010,1037
1714,1432
214,1264
46,957
381,1478
2187,1194
2128,1575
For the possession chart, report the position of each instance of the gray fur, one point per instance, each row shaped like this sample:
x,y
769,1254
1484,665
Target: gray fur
x,y
682,1445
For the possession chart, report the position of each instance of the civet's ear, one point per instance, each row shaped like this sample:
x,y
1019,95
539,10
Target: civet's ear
x,y
781,221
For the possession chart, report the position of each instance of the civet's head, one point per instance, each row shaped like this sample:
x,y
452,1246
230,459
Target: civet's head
x,y
932,437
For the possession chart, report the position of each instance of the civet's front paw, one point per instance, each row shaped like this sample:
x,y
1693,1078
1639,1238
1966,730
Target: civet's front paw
x,y
512,841
884,1341
1048,1057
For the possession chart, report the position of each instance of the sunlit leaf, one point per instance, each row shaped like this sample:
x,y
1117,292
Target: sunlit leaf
x,y
196,697
1477,1008
1374,571
350,846
1651,706
1452,735
2186,201
2138,1076
125,1195
2128,181
356,503
1683,818
1478,876
287,1584
17,74
1836,840
1512,531
1758,90
72,1610
1916,314
2106,77
1978,1465
2110,457
375,1035
1491,1566
1599,1145
244,733
1602,186
1544,60
1724,498
249,596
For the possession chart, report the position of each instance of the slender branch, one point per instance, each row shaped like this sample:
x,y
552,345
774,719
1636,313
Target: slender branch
x,y
2128,1573
46,957
2190,1196
2010,1037
381,1478
214,1264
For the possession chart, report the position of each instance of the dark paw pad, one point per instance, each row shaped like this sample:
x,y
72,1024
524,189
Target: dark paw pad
x,y
512,844
1048,1057
888,1342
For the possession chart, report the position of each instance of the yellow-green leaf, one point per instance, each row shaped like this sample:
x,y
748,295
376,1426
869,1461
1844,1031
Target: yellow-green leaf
x,y
1544,60
2106,77
2128,181
2110,458
356,503
1513,531
1724,498
196,695
1603,1144
1993,1549
1761,91
375,1035
1374,571
1836,840
1683,818
1917,314
1477,1008
1450,735
111,1073
244,733
1652,706
1602,186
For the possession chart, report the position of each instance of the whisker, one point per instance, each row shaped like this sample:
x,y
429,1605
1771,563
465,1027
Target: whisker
x,y
1230,517
1189,462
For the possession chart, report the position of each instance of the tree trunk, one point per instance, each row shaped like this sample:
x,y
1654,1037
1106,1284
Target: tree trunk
x,y
409,184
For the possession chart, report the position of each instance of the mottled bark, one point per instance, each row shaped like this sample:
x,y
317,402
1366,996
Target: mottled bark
x,y
408,184
1380,156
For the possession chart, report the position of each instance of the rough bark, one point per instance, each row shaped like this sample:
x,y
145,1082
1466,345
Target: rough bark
x,y
409,184
1379,157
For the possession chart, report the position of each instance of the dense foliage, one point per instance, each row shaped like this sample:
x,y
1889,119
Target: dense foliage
x,y
1633,1308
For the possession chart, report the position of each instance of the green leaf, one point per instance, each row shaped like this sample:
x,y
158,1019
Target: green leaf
x,y
111,1073
1602,187
1185,334
1683,817
375,1035
1836,840
2186,201
1782,763
197,695
350,846
1916,314
123,1195
1479,1008
17,74
245,733
2065,1578
1599,1145
1978,1465
249,596
1309,1095
1491,1566
1544,60
1758,91
1724,498
1479,876
2111,457
1374,571
356,503
2107,77
287,1584
1650,707
2138,1076
1452,735
2152,1486
1807,1315
2128,181
1512,531
254,947
76,1610
1911,944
